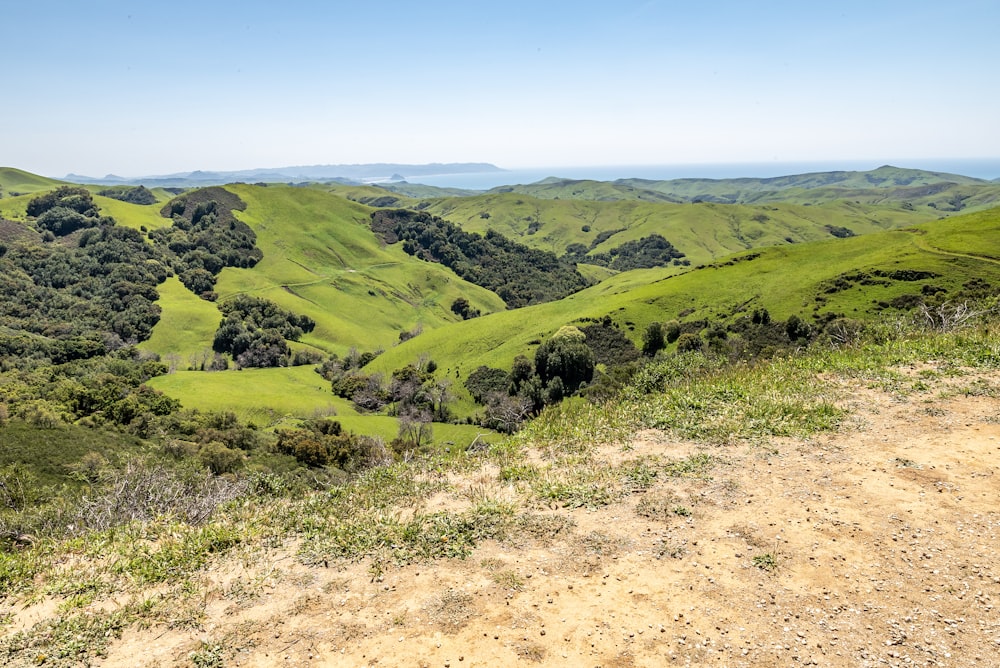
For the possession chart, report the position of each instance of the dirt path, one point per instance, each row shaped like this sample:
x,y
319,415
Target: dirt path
x,y
875,546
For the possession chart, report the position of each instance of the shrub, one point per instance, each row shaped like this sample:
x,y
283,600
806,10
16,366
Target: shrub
x,y
688,342
653,339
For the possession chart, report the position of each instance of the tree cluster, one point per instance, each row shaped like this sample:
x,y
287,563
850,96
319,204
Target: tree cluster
x,y
323,442
462,307
256,331
103,390
65,210
650,251
132,195
563,365
518,274
78,298
205,238
411,392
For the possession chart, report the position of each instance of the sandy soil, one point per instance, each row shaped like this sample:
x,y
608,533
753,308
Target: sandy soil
x,y
883,539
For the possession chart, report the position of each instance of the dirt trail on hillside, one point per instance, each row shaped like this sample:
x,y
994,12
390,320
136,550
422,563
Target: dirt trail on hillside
x,y
874,546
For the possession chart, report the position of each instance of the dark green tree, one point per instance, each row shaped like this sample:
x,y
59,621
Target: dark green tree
x,y
653,339
565,356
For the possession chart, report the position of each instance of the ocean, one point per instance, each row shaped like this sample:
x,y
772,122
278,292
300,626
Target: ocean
x,y
978,168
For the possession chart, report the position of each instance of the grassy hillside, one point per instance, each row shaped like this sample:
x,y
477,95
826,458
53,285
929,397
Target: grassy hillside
x,y
322,260
703,232
187,324
788,280
16,181
813,187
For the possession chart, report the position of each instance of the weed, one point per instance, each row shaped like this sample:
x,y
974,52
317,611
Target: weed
x,y
518,472
672,549
452,609
177,555
596,542
491,564
661,507
694,466
209,655
543,527
638,476
508,579
906,463
76,638
767,562
575,493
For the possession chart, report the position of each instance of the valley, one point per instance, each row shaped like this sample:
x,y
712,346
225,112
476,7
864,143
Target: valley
x,y
528,397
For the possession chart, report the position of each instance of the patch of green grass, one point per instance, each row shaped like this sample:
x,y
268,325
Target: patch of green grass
x,y
694,466
575,493
767,562
662,507
209,655
508,579
175,556
262,396
67,639
743,402
183,336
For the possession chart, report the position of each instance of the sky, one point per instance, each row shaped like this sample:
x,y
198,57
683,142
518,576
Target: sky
x,y
139,88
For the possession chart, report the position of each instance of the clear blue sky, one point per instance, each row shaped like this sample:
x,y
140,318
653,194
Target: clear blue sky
x,y
139,88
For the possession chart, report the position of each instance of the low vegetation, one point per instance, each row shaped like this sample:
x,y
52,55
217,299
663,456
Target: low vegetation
x,y
117,497
135,526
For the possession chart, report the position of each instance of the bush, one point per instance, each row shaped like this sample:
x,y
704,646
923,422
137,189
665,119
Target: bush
x,y
567,357
688,342
219,459
485,381
653,339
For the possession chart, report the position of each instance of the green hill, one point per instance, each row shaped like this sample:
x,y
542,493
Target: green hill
x,y
887,184
322,260
702,232
15,182
853,277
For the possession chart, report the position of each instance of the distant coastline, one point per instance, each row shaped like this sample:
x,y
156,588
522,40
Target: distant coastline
x,y
987,169
484,176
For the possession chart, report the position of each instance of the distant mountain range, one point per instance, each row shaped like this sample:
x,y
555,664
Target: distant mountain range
x,y
365,173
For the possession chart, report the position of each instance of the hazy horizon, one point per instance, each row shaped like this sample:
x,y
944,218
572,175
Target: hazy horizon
x,y
982,168
159,88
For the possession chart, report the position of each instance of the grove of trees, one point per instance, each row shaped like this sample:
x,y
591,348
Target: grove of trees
x,y
518,274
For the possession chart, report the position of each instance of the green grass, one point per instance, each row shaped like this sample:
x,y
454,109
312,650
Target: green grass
x,y
186,328
321,259
17,180
785,280
703,232
50,453
263,396
132,215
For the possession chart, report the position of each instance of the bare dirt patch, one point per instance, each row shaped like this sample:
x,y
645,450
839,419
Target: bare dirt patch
x,y
873,546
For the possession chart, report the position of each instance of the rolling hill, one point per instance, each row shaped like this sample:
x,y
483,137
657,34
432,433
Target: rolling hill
x,y
885,184
321,259
807,280
224,530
